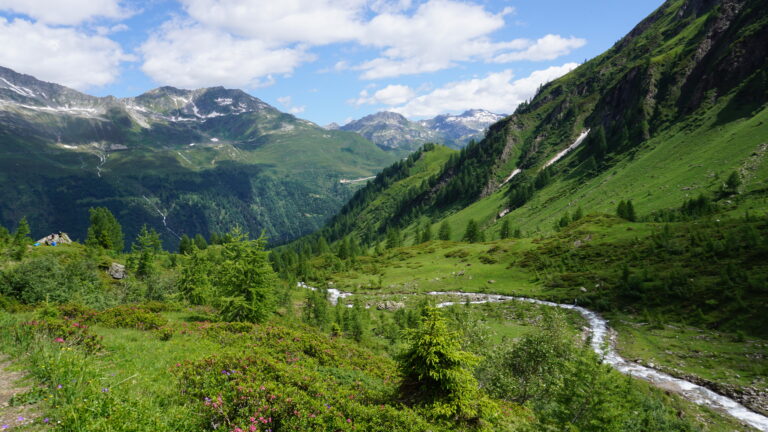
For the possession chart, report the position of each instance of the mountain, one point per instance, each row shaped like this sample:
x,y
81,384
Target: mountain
x,y
391,130
673,118
634,186
183,161
458,130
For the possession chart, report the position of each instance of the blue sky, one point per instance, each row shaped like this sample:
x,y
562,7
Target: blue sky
x,y
323,60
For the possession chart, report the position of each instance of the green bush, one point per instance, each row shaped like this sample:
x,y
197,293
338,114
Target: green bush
x,y
131,317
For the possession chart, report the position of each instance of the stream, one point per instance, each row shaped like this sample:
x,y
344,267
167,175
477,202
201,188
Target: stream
x,y
604,345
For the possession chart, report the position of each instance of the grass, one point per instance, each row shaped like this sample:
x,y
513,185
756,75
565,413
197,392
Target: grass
x,y
726,358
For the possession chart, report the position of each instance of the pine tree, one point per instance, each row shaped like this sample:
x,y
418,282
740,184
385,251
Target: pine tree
x,y
316,308
200,242
621,209
426,234
322,246
21,239
246,280
21,236
143,252
436,371
504,230
472,232
5,236
445,231
394,238
630,212
215,238
578,214
732,184
343,251
104,230
186,245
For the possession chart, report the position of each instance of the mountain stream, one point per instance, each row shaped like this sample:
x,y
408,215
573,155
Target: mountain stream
x,y
604,345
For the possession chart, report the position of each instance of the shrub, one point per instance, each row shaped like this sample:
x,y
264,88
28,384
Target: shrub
x,y
131,317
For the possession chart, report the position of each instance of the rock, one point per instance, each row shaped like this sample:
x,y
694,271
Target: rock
x,y
582,289
390,305
117,271
491,281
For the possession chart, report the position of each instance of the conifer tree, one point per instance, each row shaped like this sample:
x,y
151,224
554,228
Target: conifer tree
x,y
732,184
186,245
200,242
394,238
104,230
621,209
472,233
630,212
577,215
21,239
246,280
144,250
445,231
426,234
504,230
436,371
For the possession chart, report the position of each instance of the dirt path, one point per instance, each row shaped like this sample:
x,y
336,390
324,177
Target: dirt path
x,y
11,383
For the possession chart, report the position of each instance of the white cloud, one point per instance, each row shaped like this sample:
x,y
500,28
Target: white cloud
x,y
189,55
62,55
548,47
318,22
65,12
394,94
407,37
496,92
436,36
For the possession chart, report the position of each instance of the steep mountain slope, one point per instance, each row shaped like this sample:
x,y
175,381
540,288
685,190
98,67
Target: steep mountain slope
x,y
189,161
391,130
666,114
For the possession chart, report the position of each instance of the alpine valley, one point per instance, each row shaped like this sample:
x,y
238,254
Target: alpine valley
x,y
180,161
595,261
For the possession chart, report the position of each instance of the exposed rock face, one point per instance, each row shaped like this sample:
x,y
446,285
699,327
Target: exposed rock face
x,y
391,130
117,271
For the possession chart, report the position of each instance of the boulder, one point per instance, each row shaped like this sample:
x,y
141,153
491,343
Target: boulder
x,y
390,305
117,271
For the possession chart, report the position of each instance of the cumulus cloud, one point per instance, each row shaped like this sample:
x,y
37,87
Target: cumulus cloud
x,y
549,47
498,92
62,55
436,36
69,12
189,55
407,37
318,22
394,94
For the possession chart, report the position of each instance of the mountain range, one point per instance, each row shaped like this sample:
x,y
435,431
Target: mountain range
x,y
390,130
183,161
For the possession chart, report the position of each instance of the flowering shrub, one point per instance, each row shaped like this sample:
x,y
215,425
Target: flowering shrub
x,y
69,332
286,379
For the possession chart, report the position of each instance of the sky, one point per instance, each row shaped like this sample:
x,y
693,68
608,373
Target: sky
x,y
322,60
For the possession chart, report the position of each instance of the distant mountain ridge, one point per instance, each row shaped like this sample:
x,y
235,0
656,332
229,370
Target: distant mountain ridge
x,y
183,161
390,130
